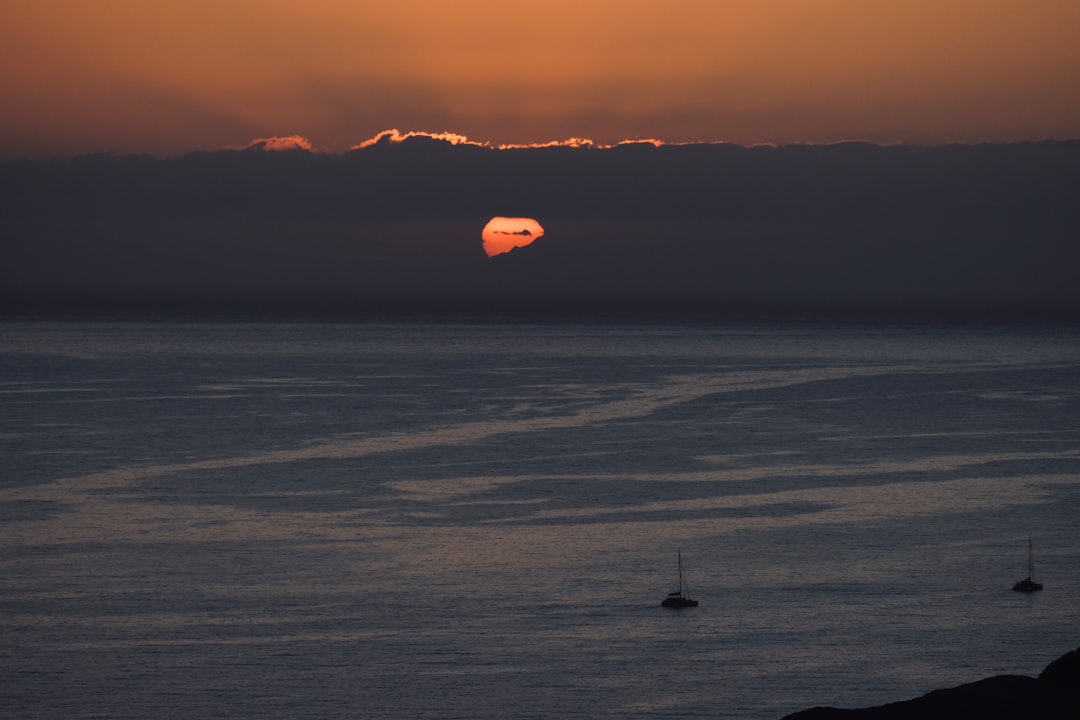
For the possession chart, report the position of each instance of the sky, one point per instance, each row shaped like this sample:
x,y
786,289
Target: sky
x,y
342,157
173,76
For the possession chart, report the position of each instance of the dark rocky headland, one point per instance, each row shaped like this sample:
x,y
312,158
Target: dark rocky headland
x,y
1054,695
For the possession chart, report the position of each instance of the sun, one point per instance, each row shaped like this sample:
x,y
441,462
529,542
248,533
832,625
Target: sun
x,y
503,234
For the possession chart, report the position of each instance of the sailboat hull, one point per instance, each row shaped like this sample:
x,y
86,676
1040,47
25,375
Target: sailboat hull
x,y
678,602
1027,585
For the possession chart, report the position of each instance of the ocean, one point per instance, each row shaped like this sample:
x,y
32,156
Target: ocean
x,y
469,520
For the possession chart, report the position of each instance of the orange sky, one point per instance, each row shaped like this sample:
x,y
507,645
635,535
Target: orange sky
x,y
168,76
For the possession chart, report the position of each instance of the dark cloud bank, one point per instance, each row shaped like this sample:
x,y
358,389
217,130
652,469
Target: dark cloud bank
x,y
966,232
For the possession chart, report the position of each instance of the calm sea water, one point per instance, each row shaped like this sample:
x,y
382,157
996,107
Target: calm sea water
x,y
479,521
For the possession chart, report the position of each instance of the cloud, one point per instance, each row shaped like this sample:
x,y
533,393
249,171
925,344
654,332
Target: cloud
x,y
395,136
396,226
277,144
573,142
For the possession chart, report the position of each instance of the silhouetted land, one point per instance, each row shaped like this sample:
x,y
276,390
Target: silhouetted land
x,y
1054,695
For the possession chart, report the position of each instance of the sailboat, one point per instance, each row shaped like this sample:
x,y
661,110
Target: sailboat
x,y
681,597
1028,584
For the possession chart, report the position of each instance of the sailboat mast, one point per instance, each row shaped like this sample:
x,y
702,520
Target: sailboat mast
x,y
684,587
1031,560
679,579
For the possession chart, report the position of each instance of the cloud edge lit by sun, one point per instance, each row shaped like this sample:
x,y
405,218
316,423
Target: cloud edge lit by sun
x,y
395,136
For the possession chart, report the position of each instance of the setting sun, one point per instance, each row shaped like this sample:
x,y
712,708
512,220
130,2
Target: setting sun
x,y
503,234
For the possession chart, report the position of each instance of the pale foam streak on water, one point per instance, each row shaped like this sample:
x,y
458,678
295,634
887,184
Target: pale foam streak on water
x,y
273,520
